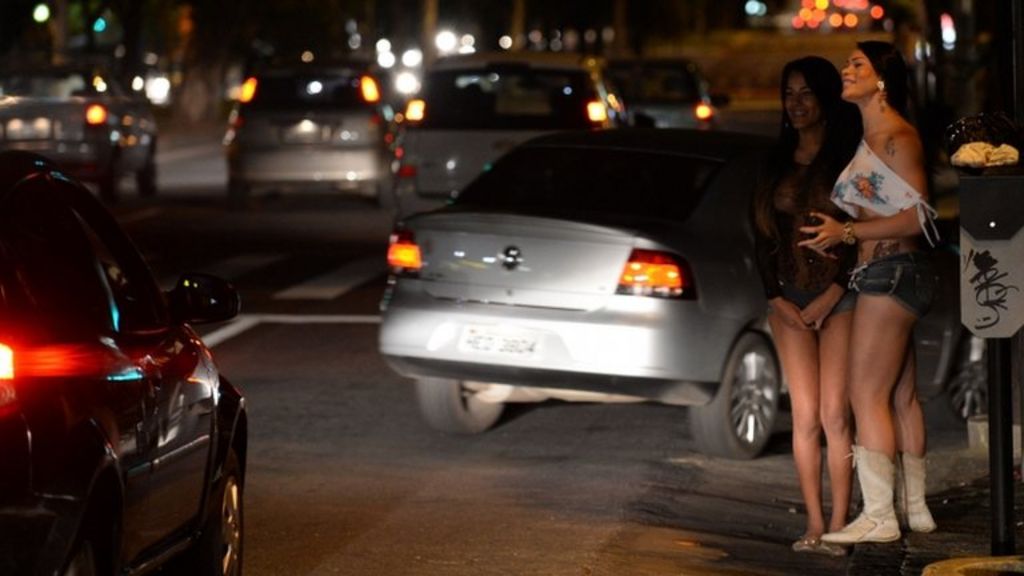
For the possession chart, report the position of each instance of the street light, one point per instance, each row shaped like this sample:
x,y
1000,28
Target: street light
x,y
41,13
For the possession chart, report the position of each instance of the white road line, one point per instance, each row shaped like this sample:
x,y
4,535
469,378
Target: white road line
x,y
245,322
335,283
237,266
140,215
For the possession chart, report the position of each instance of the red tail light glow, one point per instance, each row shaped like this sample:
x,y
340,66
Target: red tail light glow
x,y
404,254
248,90
6,362
95,114
407,171
703,111
597,112
368,86
658,274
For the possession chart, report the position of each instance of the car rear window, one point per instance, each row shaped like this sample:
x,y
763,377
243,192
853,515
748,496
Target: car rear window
x,y
595,181
655,83
308,91
507,98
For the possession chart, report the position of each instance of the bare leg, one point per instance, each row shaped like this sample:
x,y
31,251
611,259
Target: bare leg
x,y
881,331
908,416
798,354
834,345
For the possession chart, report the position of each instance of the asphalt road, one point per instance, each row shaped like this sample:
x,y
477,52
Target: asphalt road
x,y
344,478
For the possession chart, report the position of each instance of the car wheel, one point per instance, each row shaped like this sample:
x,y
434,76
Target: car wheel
x,y
83,561
238,194
967,390
740,419
145,178
450,406
218,552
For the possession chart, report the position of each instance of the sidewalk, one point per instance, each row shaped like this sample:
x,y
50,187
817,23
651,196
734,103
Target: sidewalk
x,y
964,515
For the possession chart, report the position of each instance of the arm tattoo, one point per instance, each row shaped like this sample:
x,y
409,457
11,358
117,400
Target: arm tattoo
x,y
883,249
890,146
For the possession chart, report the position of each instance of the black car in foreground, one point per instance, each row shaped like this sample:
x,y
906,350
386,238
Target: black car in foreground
x,y
122,447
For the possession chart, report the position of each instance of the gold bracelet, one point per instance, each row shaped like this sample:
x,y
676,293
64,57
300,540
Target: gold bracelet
x,y
848,236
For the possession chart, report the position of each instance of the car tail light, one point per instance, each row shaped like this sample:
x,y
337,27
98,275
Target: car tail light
x,y
369,89
7,395
404,254
703,111
248,91
95,114
415,110
407,171
597,112
658,274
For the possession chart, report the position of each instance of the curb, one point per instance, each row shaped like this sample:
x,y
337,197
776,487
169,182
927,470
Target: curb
x,y
983,566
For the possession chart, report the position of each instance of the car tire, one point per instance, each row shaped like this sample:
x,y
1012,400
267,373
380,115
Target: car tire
x,y
740,419
967,390
145,178
218,551
449,406
238,194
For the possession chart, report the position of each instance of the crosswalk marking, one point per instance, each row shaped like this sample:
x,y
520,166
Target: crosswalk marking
x,y
335,283
245,322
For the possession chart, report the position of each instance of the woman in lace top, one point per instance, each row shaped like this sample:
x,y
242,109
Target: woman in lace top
x,y
885,189
810,307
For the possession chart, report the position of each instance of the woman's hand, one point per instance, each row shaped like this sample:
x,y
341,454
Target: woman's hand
x,y
817,311
788,313
826,235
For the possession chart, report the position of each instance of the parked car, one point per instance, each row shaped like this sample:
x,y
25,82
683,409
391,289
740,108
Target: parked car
x,y
310,127
123,445
604,266
666,92
84,121
476,107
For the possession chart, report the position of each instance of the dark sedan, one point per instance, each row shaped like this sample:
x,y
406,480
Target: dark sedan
x,y
123,447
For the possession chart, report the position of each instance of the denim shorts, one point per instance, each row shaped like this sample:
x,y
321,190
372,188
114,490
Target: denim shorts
x,y
802,298
906,277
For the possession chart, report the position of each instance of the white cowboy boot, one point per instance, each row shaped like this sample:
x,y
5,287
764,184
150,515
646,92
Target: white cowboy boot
x,y
912,504
877,523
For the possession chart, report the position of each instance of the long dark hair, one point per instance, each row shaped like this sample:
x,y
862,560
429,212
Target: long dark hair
x,y
892,69
842,134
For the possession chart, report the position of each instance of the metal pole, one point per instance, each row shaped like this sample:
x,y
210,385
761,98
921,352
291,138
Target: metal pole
x,y
1000,442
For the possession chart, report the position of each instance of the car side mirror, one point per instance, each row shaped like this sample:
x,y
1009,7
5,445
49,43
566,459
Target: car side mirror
x,y
202,298
720,100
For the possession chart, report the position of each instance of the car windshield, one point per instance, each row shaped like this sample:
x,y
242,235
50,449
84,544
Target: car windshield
x,y
595,181
328,90
54,85
514,98
657,82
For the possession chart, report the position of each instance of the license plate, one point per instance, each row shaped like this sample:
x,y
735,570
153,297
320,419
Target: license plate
x,y
509,342
27,129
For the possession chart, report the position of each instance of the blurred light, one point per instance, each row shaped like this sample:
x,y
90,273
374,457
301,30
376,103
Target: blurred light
x,y
307,56
505,42
41,13
415,110
536,36
806,14
596,111
368,86
158,90
839,3
851,20
151,59
99,25
948,31
808,4
138,83
813,24
466,50
385,59
798,22
355,41
412,58
835,20
877,12
446,41
248,91
351,26
383,45
467,40
703,112
821,4
755,8
407,83
315,87
556,45
95,114
99,84
818,16
590,36
120,51
608,34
